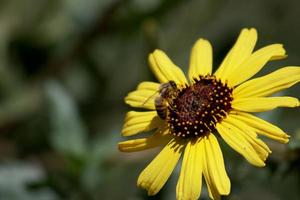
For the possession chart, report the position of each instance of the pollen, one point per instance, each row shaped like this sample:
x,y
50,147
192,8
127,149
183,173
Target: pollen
x,y
199,107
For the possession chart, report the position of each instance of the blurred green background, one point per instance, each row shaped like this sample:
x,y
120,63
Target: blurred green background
x,y
66,65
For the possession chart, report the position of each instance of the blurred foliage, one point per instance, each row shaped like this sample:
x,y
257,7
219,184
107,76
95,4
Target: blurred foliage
x,y
62,84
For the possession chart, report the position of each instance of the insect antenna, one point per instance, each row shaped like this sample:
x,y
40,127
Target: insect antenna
x,y
150,98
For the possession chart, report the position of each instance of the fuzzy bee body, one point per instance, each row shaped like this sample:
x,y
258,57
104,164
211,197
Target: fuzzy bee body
x,y
167,92
161,106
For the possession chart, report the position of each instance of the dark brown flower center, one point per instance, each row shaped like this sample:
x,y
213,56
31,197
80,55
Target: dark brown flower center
x,y
197,108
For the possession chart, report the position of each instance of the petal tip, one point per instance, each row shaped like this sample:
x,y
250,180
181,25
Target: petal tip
x,y
124,132
297,103
202,40
263,164
126,99
280,52
120,147
157,52
143,185
253,31
285,139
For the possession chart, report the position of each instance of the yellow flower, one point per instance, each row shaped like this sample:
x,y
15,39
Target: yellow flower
x,y
209,104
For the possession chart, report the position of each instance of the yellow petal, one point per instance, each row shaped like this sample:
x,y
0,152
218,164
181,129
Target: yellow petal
x,y
241,50
136,122
261,104
147,85
155,175
201,59
262,127
190,179
215,173
249,134
269,84
159,138
143,96
234,138
255,63
212,191
164,69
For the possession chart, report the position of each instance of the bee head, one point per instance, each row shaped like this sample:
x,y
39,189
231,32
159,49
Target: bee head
x,y
173,84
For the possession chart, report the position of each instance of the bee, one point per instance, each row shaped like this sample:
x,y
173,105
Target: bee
x,y
167,93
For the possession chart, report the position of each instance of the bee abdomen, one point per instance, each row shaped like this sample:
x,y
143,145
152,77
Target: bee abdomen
x,y
161,107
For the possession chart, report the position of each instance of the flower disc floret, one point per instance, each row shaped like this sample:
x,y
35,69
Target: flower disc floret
x,y
198,107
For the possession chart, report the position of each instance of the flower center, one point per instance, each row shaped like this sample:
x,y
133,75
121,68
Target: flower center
x,y
197,108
